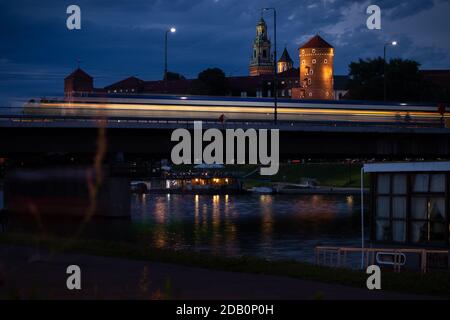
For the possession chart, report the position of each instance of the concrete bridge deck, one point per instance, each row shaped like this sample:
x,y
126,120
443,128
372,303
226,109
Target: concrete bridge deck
x,y
151,136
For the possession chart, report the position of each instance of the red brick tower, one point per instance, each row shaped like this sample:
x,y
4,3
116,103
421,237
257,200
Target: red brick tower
x,y
316,69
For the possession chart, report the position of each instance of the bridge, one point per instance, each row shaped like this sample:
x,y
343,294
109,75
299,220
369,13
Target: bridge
x,y
149,136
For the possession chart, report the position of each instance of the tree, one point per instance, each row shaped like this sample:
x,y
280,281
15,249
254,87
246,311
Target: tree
x,y
174,76
211,82
403,78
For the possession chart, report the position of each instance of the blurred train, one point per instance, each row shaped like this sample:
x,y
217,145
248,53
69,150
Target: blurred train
x,y
234,109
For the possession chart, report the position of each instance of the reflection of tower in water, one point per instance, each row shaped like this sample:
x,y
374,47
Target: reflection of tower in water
x,y
265,202
216,222
230,228
196,219
160,234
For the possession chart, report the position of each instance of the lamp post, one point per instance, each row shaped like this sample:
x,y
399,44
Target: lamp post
x,y
275,73
393,43
171,30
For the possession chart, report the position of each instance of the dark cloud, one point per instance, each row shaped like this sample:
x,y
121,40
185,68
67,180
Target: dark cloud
x,y
122,38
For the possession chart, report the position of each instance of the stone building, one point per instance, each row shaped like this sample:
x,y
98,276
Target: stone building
x,y
285,63
316,70
313,80
261,62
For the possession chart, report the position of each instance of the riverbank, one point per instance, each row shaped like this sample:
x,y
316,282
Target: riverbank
x,y
319,190
44,277
436,284
336,174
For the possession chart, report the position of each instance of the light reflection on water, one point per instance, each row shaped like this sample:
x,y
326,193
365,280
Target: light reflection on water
x,y
269,226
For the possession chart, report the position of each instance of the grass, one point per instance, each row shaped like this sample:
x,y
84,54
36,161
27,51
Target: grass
x,y
335,174
436,283
326,174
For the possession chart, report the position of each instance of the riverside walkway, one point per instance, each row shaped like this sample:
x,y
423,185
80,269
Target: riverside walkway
x,y
25,274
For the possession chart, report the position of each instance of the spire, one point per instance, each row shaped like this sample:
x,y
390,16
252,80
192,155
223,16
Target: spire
x,y
285,57
261,61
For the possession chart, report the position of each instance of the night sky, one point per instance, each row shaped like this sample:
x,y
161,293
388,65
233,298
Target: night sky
x,y
123,38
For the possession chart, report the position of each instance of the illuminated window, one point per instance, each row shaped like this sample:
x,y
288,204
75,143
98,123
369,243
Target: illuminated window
x,y
325,61
310,94
311,72
303,51
303,62
313,50
309,81
314,61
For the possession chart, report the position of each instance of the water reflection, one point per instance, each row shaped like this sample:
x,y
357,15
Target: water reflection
x,y
265,203
270,226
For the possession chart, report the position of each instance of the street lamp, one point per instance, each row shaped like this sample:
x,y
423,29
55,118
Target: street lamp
x,y
171,30
275,73
393,43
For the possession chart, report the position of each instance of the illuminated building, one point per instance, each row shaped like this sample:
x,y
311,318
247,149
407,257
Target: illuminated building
x,y
316,70
316,80
261,61
285,63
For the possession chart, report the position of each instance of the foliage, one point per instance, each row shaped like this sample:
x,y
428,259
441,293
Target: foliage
x,y
211,82
174,76
403,80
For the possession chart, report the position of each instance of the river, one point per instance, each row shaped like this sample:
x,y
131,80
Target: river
x,y
268,226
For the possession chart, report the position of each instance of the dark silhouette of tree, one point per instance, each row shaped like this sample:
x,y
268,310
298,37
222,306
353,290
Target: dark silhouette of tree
x,y
404,81
174,76
211,82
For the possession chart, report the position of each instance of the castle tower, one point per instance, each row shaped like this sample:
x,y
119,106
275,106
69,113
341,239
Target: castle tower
x,y
316,69
285,63
261,61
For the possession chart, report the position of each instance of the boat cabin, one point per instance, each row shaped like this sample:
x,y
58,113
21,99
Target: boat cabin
x,y
410,203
